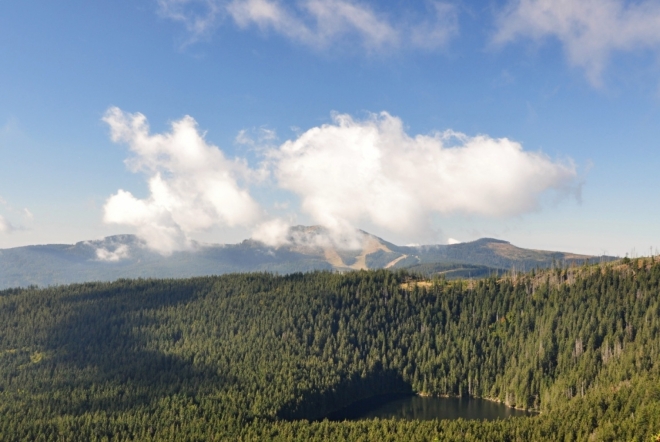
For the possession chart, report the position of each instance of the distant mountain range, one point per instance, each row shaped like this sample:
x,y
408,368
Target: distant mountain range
x,y
309,248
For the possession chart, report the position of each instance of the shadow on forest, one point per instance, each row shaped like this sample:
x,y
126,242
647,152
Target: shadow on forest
x,y
318,405
96,346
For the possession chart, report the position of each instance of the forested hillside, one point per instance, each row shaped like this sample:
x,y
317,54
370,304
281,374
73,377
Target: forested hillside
x,y
264,357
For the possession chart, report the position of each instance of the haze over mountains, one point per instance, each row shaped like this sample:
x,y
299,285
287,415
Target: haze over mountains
x,y
308,248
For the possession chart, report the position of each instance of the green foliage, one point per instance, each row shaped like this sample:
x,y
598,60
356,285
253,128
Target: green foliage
x,y
262,357
454,271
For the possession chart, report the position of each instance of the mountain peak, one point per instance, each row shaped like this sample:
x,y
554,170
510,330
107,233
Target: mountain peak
x,y
308,248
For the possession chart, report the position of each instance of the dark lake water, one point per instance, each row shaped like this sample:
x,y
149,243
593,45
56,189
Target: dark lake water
x,y
425,408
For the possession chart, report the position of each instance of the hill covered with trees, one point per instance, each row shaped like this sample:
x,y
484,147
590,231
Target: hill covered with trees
x,y
264,357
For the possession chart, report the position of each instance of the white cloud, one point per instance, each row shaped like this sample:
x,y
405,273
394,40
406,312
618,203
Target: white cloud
x,y
589,30
8,227
318,23
193,186
121,252
436,31
452,241
5,226
255,138
352,172
274,233
347,174
199,17
278,232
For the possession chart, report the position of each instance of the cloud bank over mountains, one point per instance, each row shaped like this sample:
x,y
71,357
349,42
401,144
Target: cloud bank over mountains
x,y
192,185
371,171
345,173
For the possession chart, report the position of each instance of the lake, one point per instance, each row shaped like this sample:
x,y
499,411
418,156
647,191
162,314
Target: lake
x,y
414,407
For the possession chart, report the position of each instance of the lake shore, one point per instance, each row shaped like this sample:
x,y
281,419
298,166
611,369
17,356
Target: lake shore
x,y
490,399
416,406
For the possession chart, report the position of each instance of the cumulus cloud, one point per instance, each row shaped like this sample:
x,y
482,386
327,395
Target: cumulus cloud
x,y
346,174
589,30
351,172
192,185
116,255
318,23
274,232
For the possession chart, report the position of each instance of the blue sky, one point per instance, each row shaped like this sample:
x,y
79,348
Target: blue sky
x,y
530,121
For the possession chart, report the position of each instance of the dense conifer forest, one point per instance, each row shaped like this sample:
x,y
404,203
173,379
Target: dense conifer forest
x,y
265,357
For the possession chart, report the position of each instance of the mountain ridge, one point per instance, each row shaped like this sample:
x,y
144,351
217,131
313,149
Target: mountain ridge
x,y
307,248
